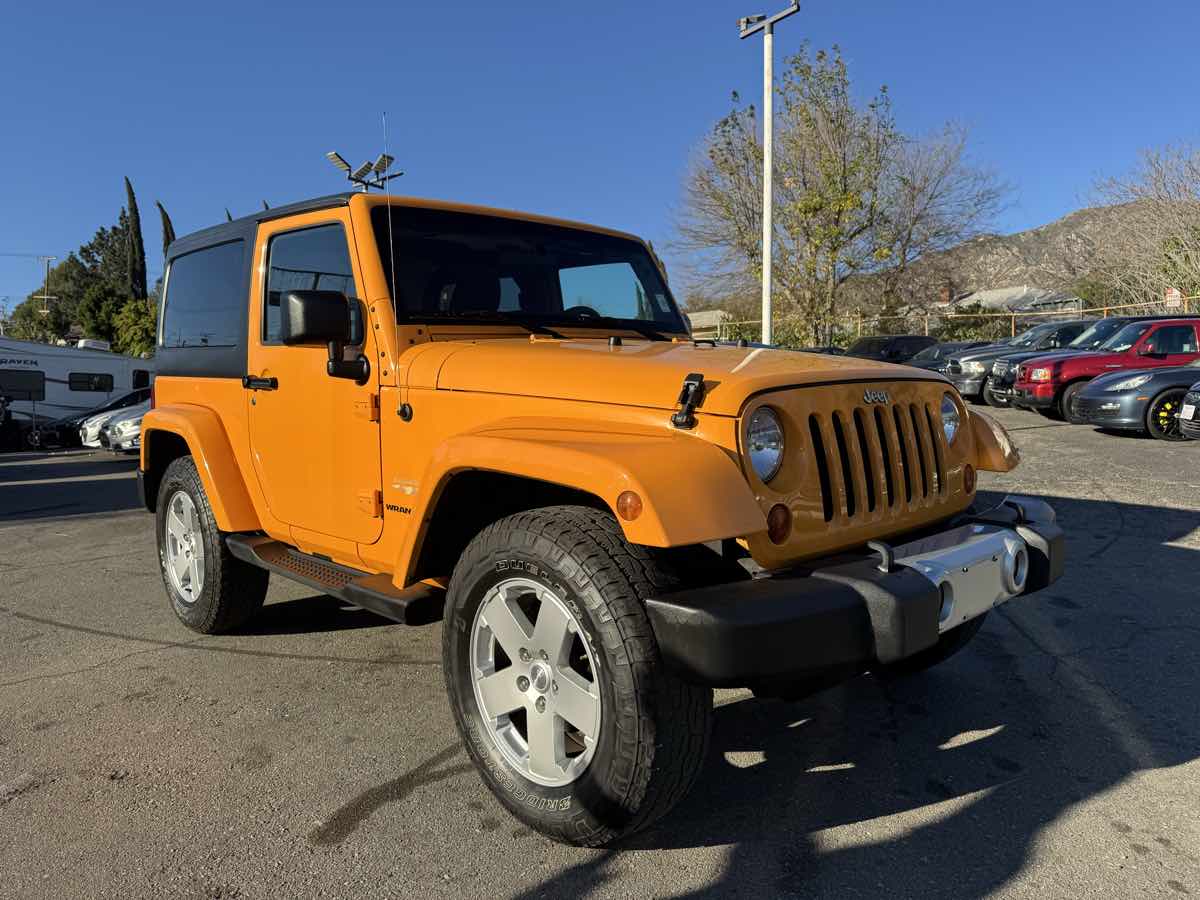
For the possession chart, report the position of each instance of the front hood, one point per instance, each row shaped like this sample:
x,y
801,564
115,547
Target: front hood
x,y
636,373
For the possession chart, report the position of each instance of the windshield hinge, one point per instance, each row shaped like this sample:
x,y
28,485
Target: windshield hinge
x,y
690,397
367,408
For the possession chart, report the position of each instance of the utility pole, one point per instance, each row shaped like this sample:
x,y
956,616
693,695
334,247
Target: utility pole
x,y
46,298
3,313
746,27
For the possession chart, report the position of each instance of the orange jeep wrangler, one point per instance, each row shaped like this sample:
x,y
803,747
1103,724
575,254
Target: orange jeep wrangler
x,y
437,411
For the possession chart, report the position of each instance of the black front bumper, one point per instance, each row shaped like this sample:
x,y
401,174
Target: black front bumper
x,y
1122,411
1025,397
835,618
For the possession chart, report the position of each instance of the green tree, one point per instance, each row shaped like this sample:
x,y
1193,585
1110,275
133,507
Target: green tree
x,y
98,310
831,161
168,230
135,328
135,249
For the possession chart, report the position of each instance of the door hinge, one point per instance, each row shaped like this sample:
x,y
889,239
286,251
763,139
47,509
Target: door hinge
x,y
371,503
367,408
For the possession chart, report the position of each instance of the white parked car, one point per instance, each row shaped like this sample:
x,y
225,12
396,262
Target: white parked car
x,y
89,431
123,432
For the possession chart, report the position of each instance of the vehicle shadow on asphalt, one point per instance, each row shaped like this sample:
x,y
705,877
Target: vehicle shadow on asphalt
x,y
312,615
49,488
1059,699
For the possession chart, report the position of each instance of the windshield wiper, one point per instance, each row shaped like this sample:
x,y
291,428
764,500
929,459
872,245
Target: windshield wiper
x,y
650,334
496,315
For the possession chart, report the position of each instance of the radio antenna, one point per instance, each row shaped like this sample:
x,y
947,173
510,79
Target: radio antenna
x,y
385,160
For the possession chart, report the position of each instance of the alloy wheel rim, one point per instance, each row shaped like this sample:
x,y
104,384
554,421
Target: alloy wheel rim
x,y
184,547
535,681
1166,416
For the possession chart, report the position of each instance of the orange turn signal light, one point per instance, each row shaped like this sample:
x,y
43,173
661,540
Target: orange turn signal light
x,y
969,478
629,505
779,523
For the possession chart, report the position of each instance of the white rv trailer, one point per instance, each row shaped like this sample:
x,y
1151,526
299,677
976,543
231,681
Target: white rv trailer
x,y
52,381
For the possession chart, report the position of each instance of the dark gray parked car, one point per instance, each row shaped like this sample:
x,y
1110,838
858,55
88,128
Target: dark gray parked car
x,y
1147,400
937,357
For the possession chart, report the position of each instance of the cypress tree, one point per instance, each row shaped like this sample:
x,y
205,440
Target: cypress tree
x,y
136,249
167,228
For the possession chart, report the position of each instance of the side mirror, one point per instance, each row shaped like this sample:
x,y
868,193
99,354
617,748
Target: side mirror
x,y
330,318
317,317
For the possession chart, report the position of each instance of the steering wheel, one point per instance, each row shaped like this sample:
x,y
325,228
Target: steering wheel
x,y
582,312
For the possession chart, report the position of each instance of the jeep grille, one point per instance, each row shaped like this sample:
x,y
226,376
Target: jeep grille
x,y
852,445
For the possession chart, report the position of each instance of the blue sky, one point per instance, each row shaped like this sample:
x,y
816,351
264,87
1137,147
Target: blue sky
x,y
587,111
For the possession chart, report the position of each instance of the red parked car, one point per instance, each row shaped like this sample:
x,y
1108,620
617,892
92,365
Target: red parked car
x,y
1051,384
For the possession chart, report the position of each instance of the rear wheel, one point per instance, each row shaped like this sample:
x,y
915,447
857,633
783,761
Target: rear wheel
x,y
556,682
1066,402
210,590
1162,416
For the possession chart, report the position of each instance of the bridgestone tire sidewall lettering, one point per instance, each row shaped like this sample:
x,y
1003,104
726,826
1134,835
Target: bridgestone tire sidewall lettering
x,y
567,579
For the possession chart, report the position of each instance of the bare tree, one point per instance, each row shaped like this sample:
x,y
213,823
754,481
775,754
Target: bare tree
x,y
1160,246
935,199
853,197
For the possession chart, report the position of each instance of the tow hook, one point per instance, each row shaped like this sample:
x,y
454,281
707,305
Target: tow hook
x,y
690,397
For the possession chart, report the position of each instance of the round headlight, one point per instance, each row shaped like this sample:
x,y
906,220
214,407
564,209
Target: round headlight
x,y
764,442
950,417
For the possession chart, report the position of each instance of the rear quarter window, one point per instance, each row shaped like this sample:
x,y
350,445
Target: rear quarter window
x,y
205,302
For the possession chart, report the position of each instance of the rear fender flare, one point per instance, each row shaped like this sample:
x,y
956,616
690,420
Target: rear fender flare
x,y
208,444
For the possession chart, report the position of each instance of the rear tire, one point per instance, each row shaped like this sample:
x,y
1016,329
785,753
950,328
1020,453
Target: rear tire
x,y
650,729
210,589
1162,416
948,644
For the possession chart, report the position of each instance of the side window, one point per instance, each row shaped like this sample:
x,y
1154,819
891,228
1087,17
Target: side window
x,y
315,259
22,384
1172,339
141,379
90,381
205,303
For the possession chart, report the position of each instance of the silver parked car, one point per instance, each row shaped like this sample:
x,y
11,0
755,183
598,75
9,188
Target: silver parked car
x,y
123,432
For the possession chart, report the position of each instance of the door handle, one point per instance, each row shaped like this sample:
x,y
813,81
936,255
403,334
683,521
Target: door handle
x,y
250,382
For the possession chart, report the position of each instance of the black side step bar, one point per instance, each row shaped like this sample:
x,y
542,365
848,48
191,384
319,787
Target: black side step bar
x,y
419,604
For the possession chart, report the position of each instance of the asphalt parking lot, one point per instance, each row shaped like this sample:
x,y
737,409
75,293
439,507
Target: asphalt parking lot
x,y
316,757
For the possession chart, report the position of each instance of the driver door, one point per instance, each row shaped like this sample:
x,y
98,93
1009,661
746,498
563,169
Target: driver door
x,y
314,438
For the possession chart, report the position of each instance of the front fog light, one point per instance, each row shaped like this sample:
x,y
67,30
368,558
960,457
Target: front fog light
x,y
764,441
950,417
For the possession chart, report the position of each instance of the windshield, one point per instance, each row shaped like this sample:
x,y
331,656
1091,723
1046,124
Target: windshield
x,y
456,265
929,354
1126,337
1097,334
868,345
1033,336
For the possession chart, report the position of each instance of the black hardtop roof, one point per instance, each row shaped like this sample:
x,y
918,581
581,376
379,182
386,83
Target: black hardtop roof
x,y
244,227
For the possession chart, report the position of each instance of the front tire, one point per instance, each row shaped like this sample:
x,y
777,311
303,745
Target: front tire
x,y
1066,403
555,679
211,590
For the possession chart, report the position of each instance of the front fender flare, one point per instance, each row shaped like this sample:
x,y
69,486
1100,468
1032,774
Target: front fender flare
x,y
208,444
692,490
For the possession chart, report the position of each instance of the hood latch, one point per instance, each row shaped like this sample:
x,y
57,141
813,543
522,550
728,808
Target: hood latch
x,y
690,397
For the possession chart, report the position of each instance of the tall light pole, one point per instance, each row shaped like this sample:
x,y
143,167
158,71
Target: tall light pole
x,y
746,27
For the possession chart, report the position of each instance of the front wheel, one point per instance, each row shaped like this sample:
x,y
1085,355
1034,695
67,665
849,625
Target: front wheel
x,y
1066,403
555,679
1162,416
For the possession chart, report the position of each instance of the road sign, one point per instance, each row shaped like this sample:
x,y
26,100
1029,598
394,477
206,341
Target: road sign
x,y
1174,298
